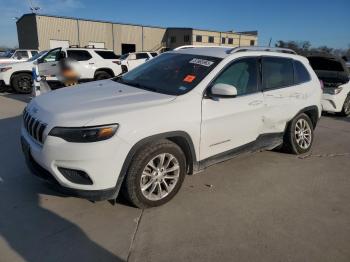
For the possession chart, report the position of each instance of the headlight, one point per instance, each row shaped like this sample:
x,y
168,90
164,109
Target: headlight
x,y
85,134
4,69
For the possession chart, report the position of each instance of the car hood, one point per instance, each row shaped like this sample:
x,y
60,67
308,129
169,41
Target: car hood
x,y
77,106
20,65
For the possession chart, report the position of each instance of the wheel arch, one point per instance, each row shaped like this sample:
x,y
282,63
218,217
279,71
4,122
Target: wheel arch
x,y
312,113
180,138
19,72
104,69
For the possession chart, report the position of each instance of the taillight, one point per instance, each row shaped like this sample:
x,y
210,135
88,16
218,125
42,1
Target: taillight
x,y
322,84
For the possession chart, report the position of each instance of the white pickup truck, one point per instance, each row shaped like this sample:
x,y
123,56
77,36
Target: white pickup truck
x,y
19,55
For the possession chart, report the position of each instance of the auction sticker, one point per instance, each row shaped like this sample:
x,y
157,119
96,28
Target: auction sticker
x,y
189,78
202,62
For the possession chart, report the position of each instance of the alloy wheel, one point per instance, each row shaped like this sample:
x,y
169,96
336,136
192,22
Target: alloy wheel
x,y
160,176
303,133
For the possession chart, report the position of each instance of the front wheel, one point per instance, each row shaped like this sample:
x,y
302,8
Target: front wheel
x,y
22,83
299,135
102,75
155,174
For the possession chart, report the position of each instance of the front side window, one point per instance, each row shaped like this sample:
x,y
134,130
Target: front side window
x,y
79,55
242,74
301,75
170,73
277,72
51,56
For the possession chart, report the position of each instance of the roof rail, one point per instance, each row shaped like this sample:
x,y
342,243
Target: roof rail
x,y
74,46
198,46
261,48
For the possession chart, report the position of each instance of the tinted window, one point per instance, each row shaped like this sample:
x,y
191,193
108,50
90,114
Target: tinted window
x,y
154,54
21,54
230,41
277,72
198,38
301,75
171,73
211,39
241,74
141,56
107,54
79,55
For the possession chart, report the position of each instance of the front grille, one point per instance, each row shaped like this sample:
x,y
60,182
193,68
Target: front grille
x,y
34,127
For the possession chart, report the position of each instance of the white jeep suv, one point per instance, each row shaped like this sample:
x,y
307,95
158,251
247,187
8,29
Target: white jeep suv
x,y
174,115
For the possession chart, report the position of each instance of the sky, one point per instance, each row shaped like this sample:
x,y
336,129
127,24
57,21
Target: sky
x,y
319,21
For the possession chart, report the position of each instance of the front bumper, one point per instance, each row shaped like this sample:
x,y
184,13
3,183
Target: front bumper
x,y
102,161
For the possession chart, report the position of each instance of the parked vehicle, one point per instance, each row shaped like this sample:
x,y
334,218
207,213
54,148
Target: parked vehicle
x,y
19,55
174,115
131,60
88,63
335,77
18,76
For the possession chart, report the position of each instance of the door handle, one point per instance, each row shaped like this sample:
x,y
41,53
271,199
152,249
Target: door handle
x,y
255,102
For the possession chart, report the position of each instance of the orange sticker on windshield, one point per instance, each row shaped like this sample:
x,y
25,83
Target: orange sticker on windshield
x,y
189,78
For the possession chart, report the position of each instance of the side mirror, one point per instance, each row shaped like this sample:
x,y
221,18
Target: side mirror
x,y
223,91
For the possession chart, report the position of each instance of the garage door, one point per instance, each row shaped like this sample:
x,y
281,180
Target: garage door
x,y
97,44
59,43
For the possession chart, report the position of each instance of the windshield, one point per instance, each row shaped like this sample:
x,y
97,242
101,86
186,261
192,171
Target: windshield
x,y
35,57
8,53
170,73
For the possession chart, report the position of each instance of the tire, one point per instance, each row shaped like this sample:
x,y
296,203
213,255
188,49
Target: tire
x,y
102,75
299,135
3,87
346,107
124,69
141,173
22,83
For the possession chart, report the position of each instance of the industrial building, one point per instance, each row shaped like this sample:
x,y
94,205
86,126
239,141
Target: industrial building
x,y
37,31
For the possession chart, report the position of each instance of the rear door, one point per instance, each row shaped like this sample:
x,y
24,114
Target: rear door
x,y
85,66
228,123
279,92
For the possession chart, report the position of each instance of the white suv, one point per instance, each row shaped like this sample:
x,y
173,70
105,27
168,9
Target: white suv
x,y
90,63
131,60
174,115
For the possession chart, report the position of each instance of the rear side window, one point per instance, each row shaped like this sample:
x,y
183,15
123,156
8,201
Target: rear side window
x,y
79,55
277,72
154,54
141,56
243,74
301,75
107,54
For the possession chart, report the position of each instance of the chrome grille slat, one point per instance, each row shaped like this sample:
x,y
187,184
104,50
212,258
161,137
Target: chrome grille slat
x,y
34,127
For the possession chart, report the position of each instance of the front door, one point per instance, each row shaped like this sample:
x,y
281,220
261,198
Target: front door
x,y
228,123
48,65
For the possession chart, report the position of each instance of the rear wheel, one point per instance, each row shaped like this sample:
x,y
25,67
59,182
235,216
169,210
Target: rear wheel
x,y
155,174
102,75
346,107
299,135
22,83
